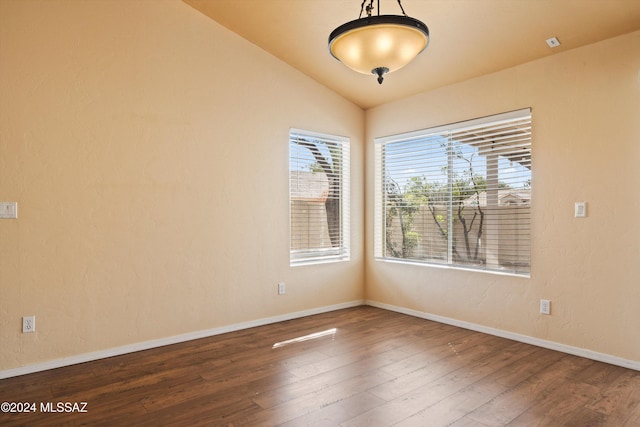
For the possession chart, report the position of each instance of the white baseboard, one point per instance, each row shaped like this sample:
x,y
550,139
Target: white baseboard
x,y
576,351
131,348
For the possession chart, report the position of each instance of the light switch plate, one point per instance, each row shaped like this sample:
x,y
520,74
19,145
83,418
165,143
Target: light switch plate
x,y
581,210
8,210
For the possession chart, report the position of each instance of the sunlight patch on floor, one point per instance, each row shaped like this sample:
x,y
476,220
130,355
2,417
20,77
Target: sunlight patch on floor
x,y
306,338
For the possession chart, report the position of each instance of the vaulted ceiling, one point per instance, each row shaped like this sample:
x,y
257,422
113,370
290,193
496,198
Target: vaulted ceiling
x,y
469,38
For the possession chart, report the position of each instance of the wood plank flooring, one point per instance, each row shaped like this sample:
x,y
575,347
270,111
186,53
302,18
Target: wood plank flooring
x,y
355,367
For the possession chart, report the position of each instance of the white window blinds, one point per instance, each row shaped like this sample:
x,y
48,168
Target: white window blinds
x,y
318,197
457,195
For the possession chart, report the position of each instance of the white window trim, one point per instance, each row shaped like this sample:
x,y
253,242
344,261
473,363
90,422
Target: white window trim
x,y
327,255
379,211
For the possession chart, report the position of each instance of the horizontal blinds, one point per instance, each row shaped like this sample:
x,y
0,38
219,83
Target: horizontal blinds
x,y
319,202
457,195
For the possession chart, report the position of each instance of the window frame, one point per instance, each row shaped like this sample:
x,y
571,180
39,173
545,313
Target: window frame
x,y
380,195
319,255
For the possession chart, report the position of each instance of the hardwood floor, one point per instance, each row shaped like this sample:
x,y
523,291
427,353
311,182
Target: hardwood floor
x,y
363,367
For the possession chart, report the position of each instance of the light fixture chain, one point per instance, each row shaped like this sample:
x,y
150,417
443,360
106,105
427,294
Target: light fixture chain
x,y
402,8
370,8
361,8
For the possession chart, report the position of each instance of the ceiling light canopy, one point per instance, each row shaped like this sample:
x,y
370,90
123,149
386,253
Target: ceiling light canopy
x,y
378,44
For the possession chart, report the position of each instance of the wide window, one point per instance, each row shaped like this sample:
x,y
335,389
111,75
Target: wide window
x,y
457,195
318,197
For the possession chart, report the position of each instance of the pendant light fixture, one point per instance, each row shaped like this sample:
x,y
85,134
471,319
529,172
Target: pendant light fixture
x,y
378,44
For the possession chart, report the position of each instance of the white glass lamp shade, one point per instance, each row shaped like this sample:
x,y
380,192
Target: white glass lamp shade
x,y
386,41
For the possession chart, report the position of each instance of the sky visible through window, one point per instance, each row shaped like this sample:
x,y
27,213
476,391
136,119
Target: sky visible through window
x,y
304,161
427,157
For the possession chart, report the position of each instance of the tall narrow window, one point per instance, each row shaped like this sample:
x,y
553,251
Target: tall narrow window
x,y
318,197
457,195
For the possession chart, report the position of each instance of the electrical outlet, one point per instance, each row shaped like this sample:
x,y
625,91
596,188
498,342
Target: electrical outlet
x,y
545,306
28,324
281,289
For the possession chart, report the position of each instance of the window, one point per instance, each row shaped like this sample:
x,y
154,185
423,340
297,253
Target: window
x,y
318,197
457,195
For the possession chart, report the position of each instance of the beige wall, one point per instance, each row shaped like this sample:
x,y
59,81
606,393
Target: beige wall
x,y
586,147
140,138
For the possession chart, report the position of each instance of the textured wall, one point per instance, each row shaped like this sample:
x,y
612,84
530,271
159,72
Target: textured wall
x,y
140,138
586,147
147,148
